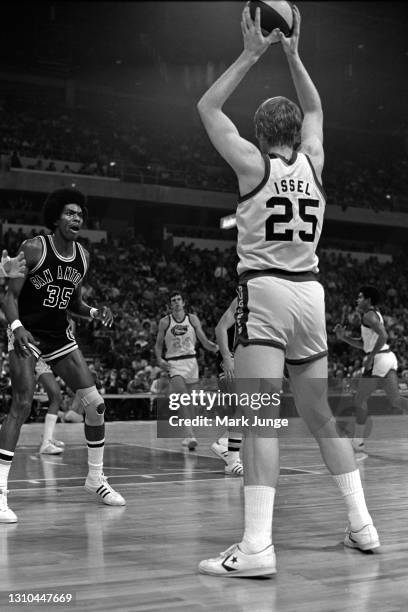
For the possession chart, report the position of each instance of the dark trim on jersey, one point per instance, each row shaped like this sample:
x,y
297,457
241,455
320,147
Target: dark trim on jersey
x,y
43,255
287,162
375,312
58,254
181,357
307,359
83,256
260,342
318,183
179,322
307,275
388,350
191,323
257,189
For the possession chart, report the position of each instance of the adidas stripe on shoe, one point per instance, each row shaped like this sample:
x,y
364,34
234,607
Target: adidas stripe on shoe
x,y
102,489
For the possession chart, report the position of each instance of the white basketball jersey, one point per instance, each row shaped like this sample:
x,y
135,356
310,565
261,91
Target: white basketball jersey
x,y
370,337
280,222
180,338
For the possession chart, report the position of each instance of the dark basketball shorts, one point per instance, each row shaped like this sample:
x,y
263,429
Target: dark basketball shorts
x,y
51,347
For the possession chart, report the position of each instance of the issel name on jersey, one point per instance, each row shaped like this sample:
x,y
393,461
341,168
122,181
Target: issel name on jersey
x,y
279,223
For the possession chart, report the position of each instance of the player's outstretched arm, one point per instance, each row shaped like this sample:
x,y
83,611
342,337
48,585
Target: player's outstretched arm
x,y
31,251
309,99
341,334
158,347
226,321
12,267
79,308
240,154
207,344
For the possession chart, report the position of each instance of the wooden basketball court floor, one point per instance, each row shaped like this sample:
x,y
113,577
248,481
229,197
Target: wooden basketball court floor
x,y
180,509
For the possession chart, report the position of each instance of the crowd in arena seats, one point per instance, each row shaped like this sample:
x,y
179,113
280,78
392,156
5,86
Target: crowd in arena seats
x,y
138,280
112,143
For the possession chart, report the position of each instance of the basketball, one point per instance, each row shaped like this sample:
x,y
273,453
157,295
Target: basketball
x,y
274,14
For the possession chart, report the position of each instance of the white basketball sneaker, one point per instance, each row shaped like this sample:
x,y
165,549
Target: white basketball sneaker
x,y
364,539
235,469
102,489
49,448
234,563
6,514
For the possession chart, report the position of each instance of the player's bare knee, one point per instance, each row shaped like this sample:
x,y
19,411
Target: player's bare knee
x,y
21,406
326,429
92,402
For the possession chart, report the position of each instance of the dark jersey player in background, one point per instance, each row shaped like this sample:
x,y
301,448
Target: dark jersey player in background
x,y
36,308
227,447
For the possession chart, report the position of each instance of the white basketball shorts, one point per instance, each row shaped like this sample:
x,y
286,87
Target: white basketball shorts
x,y
186,368
288,314
383,363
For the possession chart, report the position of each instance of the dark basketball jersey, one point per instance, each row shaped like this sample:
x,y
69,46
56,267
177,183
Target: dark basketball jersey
x,y
48,289
231,340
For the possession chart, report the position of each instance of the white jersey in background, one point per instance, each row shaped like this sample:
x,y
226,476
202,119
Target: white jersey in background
x,y
280,222
370,337
180,338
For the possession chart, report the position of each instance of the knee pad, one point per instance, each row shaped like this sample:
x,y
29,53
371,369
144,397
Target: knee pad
x,y
91,398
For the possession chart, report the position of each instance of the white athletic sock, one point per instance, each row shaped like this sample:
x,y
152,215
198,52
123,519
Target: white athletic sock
x,y
353,494
95,462
5,465
49,426
233,456
259,502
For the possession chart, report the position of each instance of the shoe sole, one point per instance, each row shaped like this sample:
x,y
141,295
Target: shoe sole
x,y
236,474
8,521
219,454
249,573
364,547
49,453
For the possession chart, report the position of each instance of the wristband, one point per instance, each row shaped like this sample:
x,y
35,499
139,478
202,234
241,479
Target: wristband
x,y
16,323
93,313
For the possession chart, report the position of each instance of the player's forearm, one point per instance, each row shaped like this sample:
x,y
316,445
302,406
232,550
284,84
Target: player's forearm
x,y
222,341
158,349
225,85
356,342
80,309
10,307
307,93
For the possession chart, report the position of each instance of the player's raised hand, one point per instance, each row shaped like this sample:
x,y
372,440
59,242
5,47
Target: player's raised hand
x,y
290,43
14,267
340,331
254,41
